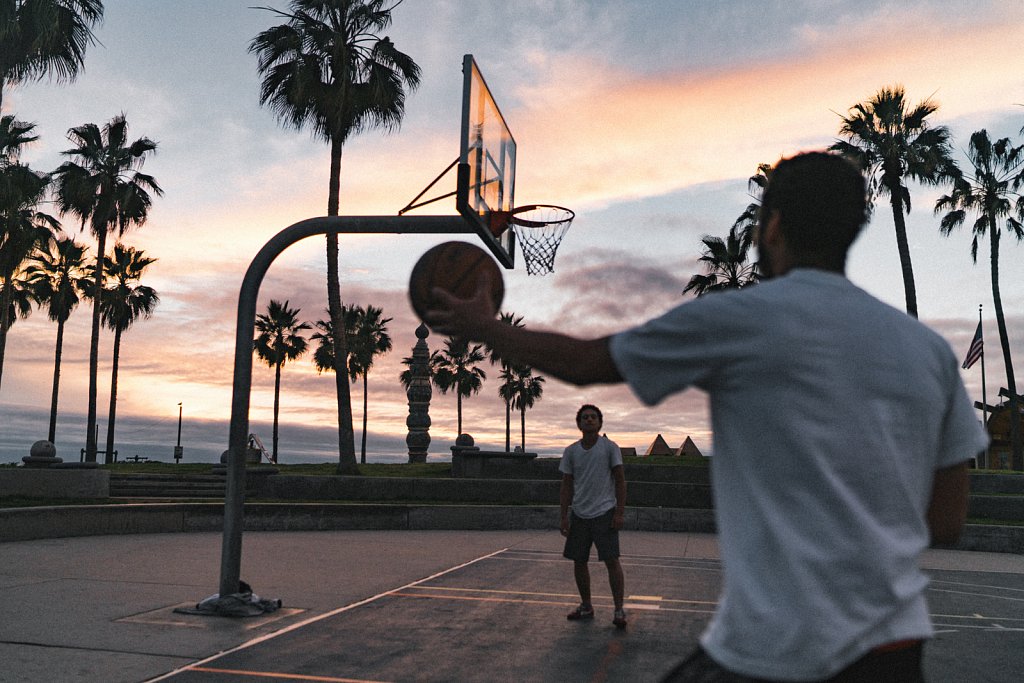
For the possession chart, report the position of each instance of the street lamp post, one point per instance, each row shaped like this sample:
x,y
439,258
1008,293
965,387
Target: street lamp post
x,y
177,448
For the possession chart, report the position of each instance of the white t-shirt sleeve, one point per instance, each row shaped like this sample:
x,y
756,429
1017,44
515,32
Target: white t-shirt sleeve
x,y
676,350
614,454
565,464
962,435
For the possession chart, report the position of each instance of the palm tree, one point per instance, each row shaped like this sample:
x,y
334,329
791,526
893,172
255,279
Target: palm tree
x,y
23,229
527,390
106,190
15,290
279,341
45,37
726,263
756,185
456,369
505,391
323,355
991,191
58,279
367,338
327,68
891,143
122,304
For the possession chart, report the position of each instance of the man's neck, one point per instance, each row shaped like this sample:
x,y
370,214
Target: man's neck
x,y
589,439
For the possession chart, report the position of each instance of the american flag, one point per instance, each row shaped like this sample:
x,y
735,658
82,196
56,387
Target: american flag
x,y
976,350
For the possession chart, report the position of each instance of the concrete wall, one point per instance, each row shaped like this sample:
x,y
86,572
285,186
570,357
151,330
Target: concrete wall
x,y
31,482
491,491
23,524
547,468
997,483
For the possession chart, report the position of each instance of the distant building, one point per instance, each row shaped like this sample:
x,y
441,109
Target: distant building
x,y
628,452
659,447
689,449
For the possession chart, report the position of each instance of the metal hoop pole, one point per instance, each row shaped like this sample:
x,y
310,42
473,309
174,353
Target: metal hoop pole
x,y
234,495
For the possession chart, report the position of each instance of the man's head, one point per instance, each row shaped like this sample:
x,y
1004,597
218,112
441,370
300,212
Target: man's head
x,y
817,203
587,415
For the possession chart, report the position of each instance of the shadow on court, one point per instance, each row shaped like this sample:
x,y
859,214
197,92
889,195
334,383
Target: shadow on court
x,y
419,606
501,617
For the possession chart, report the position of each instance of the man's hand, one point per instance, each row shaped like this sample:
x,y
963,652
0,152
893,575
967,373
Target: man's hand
x,y
573,360
618,519
463,318
947,510
565,525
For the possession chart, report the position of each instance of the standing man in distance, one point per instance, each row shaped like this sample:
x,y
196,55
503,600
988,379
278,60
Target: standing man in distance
x,y
594,484
842,433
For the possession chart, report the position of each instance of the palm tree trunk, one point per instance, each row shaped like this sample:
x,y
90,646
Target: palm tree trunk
x,y
458,405
508,426
52,434
277,405
904,248
346,438
1016,451
94,347
362,451
5,323
522,425
108,456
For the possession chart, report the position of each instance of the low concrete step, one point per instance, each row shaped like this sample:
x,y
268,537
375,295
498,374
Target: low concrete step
x,y
168,486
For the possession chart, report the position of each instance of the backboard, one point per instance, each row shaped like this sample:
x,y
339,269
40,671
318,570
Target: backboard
x,y
487,164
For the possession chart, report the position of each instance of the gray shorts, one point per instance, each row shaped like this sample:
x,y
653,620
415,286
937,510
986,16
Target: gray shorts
x,y
597,531
877,666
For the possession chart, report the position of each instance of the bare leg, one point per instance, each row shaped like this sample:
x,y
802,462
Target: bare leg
x,y
616,581
582,573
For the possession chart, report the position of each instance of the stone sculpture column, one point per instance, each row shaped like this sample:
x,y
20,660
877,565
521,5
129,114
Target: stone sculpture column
x,y
419,393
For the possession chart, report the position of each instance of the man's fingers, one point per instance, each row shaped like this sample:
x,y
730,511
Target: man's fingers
x,y
443,296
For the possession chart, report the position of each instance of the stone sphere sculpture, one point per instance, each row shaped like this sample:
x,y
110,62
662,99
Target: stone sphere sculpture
x,y
42,454
43,449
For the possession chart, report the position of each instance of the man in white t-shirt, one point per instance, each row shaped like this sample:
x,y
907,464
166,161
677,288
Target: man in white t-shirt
x,y
842,436
594,485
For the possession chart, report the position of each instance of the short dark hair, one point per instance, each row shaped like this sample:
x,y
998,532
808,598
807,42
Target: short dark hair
x,y
822,203
588,406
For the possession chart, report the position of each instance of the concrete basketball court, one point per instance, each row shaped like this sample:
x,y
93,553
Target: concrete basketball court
x,y
419,606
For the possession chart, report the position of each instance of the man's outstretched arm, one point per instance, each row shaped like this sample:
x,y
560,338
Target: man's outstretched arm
x,y
571,359
947,510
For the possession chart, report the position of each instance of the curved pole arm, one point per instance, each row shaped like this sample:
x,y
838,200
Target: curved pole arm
x,y
234,495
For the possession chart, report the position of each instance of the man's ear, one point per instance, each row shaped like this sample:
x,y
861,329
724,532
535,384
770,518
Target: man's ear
x,y
770,234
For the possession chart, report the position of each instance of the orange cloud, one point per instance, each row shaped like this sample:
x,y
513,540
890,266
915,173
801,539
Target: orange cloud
x,y
591,133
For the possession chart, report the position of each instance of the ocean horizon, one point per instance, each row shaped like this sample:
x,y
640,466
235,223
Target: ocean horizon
x,y
202,440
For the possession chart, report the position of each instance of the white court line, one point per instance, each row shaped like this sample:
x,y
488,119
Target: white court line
x,y
982,595
525,601
642,606
975,617
994,628
978,585
668,558
625,563
494,591
306,622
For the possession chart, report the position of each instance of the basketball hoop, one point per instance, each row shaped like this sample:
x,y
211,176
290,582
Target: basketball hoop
x,y
539,229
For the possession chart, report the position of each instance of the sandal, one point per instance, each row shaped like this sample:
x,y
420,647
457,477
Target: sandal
x,y
619,618
580,613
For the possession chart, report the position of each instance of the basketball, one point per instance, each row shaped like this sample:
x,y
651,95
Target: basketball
x,y
457,268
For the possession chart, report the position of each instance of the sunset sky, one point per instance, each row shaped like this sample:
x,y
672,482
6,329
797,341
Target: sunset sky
x,y
646,118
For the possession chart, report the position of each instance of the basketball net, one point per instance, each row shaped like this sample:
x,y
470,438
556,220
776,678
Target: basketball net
x,y
539,229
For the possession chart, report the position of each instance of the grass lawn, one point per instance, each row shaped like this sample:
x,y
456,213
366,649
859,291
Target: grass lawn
x,y
375,469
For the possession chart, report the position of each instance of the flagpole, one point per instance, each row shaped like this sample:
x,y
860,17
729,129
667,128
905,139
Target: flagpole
x,y
984,392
